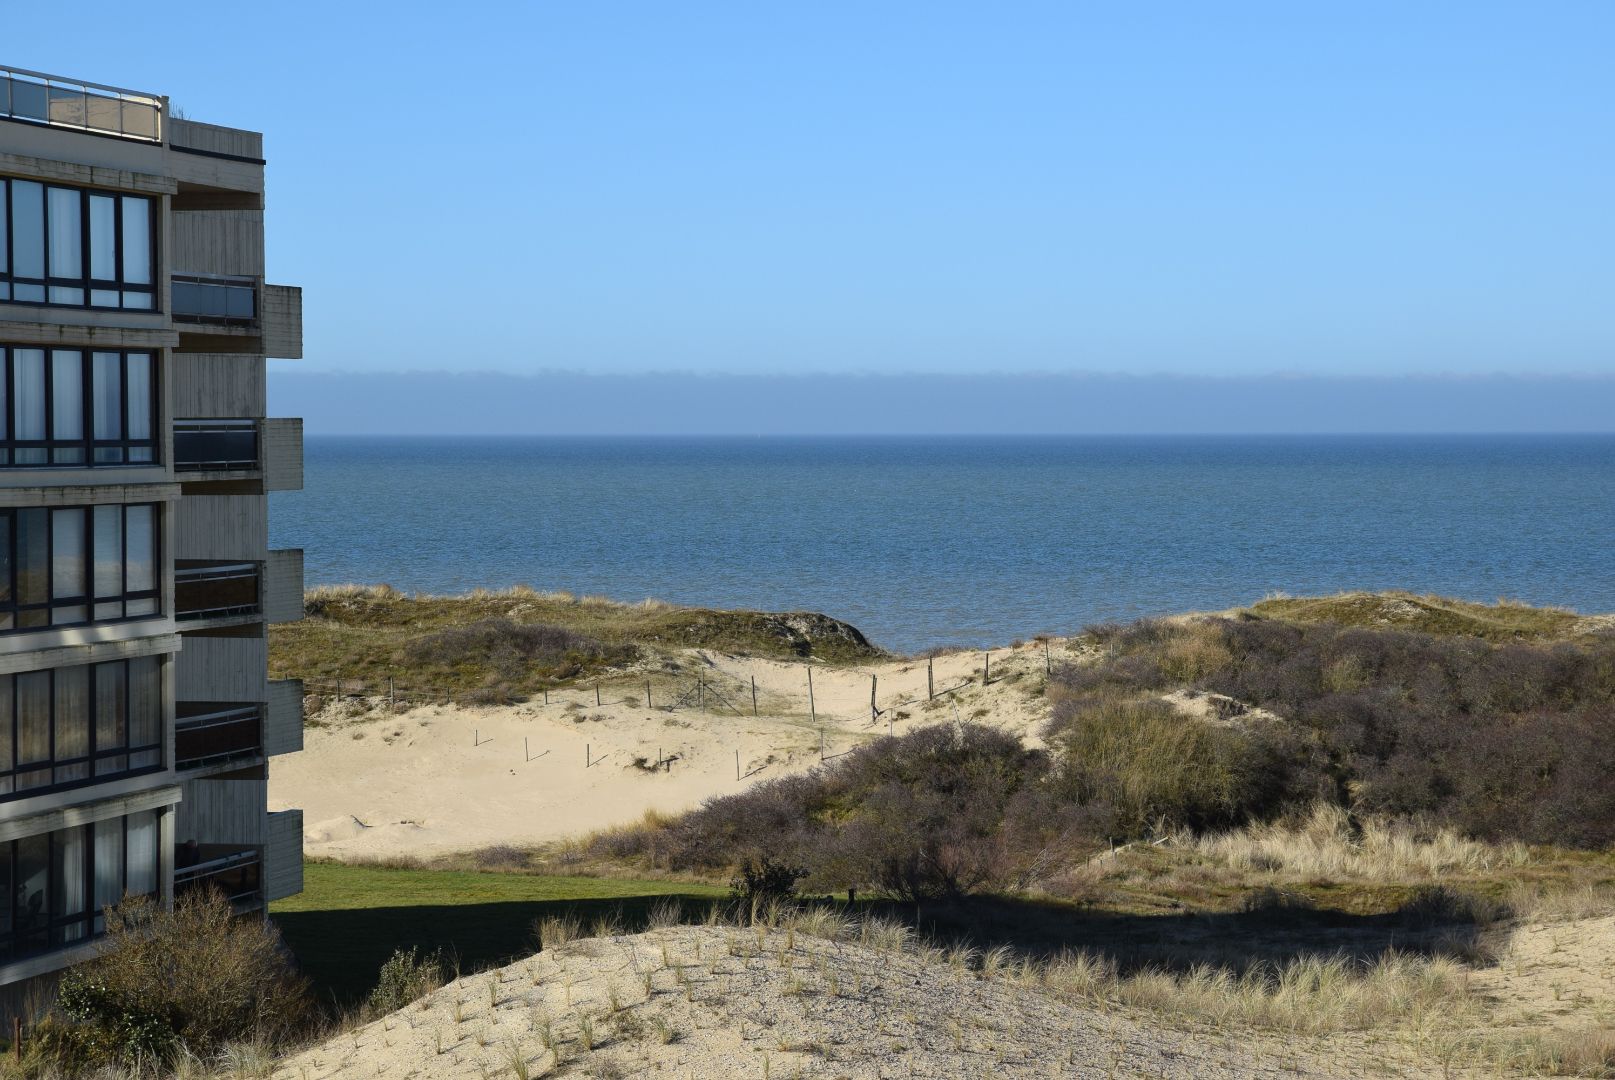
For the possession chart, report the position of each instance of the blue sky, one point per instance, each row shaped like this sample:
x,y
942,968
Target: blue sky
x,y
1227,189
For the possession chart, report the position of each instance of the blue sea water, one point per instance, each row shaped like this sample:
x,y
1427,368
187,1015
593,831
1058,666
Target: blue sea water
x,y
932,541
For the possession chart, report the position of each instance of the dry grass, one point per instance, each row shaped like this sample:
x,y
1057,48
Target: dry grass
x,y
1506,620
1326,845
376,632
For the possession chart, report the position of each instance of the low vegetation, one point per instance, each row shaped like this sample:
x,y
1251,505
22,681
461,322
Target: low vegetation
x,y
191,985
501,645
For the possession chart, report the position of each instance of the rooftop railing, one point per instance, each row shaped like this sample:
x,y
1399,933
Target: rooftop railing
x,y
38,98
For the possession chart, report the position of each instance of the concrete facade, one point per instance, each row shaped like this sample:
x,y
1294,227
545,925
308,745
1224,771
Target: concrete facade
x,y
137,721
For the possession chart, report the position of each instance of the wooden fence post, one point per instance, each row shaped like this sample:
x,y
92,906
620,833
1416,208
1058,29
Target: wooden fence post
x,y
930,678
647,693
392,696
874,713
588,755
597,695
1048,664
813,713
754,695
986,668
737,764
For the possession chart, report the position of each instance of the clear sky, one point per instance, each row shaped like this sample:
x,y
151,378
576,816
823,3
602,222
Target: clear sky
x,y
1196,188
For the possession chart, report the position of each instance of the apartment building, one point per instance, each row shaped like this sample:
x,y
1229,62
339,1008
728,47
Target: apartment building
x,y
137,720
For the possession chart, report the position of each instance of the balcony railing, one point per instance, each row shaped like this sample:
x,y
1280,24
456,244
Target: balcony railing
x,y
215,445
229,301
210,590
107,110
216,732
235,871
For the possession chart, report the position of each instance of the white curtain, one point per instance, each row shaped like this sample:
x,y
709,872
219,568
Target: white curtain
x,y
28,393
108,862
67,393
66,233
70,873
142,852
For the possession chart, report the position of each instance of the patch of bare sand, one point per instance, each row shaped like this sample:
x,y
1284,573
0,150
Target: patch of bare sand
x,y
714,1002
1554,973
377,781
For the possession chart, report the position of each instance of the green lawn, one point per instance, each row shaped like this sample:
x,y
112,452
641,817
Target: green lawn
x,y
349,919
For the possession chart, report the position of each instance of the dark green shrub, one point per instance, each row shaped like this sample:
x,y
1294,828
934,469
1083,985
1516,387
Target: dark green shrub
x,y
766,879
407,976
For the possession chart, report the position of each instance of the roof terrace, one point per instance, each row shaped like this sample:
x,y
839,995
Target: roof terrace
x,y
36,98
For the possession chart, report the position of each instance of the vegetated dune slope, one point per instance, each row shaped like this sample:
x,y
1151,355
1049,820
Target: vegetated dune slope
x,y
718,1002
378,781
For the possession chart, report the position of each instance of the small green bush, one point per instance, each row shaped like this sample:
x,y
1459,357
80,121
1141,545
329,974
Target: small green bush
x,y
406,976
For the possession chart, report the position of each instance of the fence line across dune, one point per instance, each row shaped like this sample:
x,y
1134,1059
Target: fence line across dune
x,y
711,693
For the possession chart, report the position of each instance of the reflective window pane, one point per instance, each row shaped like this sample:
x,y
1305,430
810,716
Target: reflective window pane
x,y
72,712
136,241
28,229
67,394
33,547
66,237
28,393
106,381
140,402
142,834
145,701
104,238
109,551
67,554
111,723
33,717
140,528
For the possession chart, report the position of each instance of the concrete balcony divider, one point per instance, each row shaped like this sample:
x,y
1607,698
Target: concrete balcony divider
x,y
282,322
282,449
283,585
283,872
283,730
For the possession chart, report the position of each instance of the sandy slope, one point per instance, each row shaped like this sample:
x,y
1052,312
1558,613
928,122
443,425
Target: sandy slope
x,y
719,1006
375,782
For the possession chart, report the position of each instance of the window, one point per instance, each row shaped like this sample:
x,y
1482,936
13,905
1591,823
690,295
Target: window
x,y
77,564
55,887
76,725
76,407
78,248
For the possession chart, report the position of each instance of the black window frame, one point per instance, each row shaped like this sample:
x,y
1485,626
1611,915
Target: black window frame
x,y
52,933
87,444
10,280
150,753
13,612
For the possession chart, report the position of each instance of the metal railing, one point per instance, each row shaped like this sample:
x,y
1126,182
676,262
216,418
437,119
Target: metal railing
x,y
202,445
214,299
38,98
216,732
236,872
216,590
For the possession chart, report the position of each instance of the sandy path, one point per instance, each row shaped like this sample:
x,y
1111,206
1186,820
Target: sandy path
x,y
375,782
720,1002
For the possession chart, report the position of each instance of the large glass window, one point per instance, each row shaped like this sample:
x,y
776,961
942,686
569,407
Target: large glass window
x,y
77,564
55,887
75,725
74,247
76,407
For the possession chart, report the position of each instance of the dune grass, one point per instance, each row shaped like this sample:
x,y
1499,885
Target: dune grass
x,y
1506,620
348,920
518,640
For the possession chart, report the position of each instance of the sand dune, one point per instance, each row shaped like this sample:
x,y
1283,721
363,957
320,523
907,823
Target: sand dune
x,y
376,780
724,1002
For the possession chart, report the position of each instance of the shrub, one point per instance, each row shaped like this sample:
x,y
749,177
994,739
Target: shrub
x,y
766,879
406,976
192,979
512,651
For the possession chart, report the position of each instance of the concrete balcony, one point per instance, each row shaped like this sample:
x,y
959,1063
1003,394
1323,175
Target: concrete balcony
x,y
214,594
214,735
283,585
233,869
283,860
283,727
282,449
282,322
237,449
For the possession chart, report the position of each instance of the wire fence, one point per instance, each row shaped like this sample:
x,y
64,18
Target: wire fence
x,y
712,693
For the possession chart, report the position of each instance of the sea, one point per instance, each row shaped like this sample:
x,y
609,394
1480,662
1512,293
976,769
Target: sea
x,y
924,542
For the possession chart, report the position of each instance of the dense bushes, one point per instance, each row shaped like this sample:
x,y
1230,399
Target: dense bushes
x,y
1510,741
191,980
1499,742
514,651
